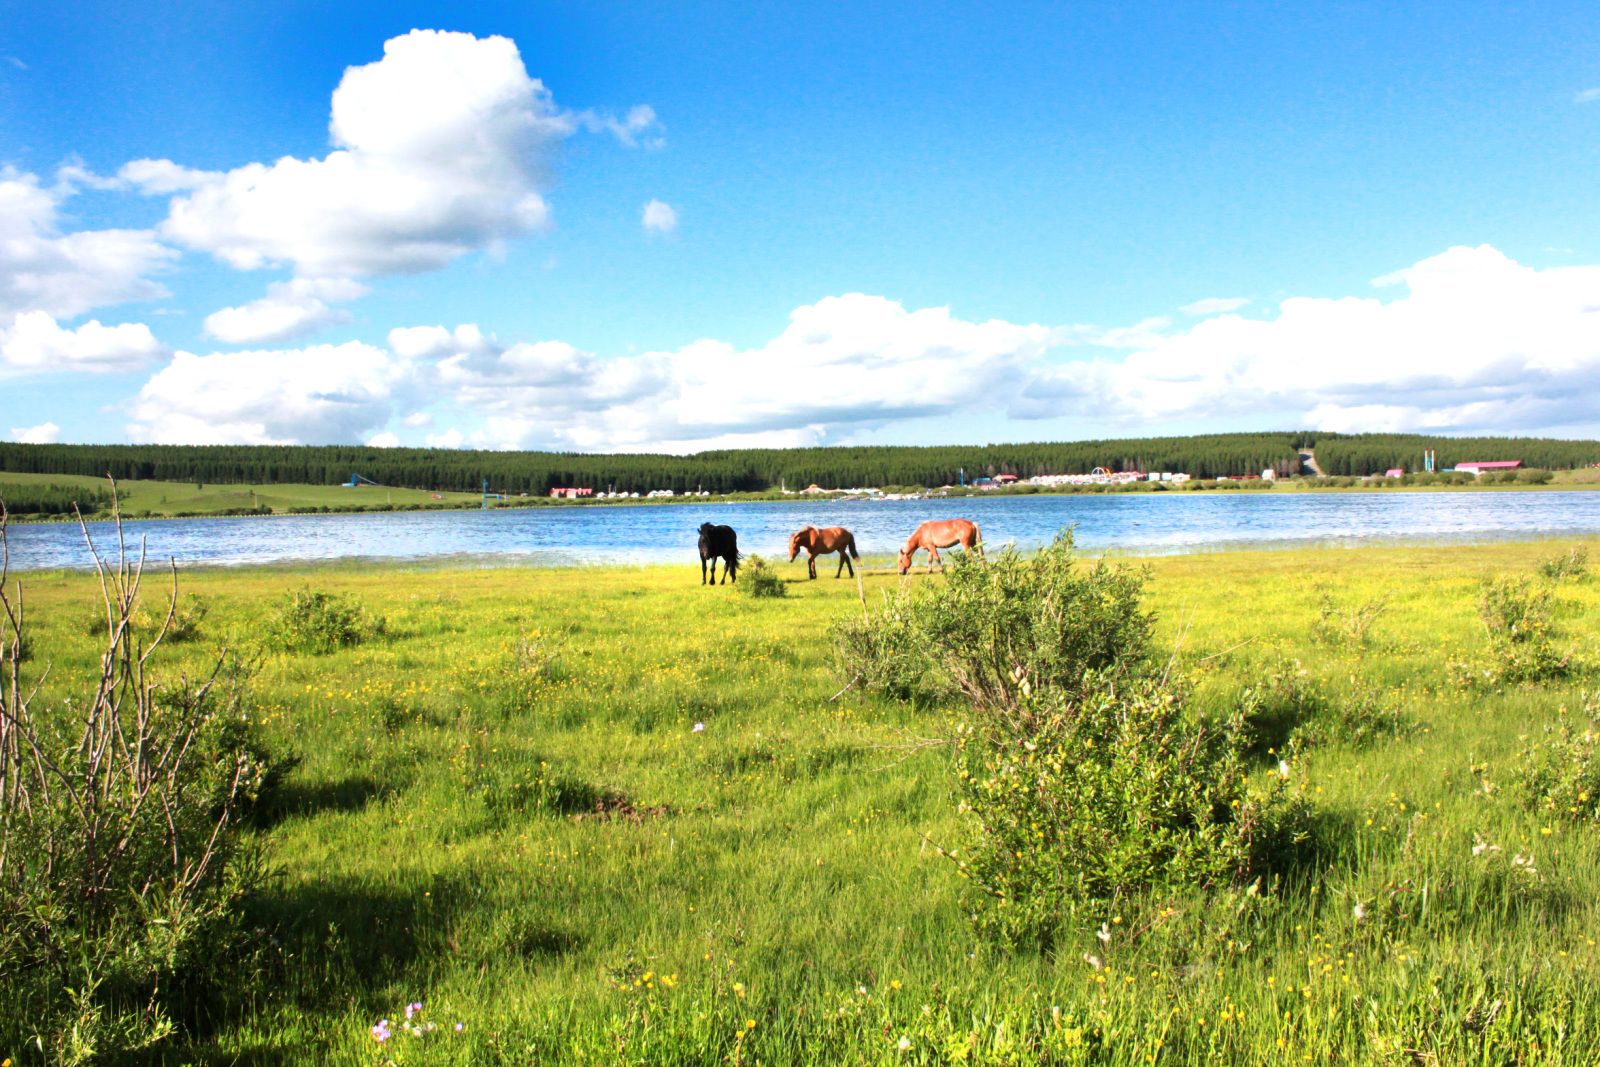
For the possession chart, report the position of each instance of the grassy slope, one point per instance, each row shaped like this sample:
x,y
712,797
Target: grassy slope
x,y
427,849
166,498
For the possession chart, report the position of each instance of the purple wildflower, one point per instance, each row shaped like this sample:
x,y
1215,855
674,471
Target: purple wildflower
x,y
380,1033
413,1008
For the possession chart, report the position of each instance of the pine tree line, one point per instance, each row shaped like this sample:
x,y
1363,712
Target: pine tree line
x,y
748,470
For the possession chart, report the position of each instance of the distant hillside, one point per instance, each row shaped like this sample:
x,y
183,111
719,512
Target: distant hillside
x,y
758,469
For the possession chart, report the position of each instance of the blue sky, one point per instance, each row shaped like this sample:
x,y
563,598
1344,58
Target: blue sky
x,y
911,223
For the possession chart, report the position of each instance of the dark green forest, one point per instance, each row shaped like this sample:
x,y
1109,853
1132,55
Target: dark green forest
x,y
746,470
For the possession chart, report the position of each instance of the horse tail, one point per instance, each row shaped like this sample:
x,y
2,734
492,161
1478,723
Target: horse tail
x,y
851,545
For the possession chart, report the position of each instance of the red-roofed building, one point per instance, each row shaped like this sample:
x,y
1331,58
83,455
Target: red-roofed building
x,y
1490,465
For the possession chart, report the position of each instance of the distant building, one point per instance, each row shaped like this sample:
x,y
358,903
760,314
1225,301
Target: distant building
x,y
1490,465
1269,475
1004,479
1395,472
569,494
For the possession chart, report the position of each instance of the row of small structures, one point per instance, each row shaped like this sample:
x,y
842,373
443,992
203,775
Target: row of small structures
x,y
1099,476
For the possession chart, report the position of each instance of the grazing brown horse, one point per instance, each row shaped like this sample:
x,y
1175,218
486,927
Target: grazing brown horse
x,y
821,542
940,533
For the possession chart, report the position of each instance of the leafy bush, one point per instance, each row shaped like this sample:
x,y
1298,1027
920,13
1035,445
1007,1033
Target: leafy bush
x,y
187,613
997,632
1559,771
1276,707
1347,627
121,877
1109,797
759,579
1573,564
1522,647
1365,715
317,622
1534,476
882,652
1088,778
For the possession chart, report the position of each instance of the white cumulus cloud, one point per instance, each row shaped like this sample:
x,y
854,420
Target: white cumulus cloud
x,y
846,361
46,433
42,269
383,440
289,310
35,343
441,148
659,217
451,438
1215,305
1471,341
1465,341
322,394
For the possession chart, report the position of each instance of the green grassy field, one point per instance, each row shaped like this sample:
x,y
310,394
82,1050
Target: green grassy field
x,y
170,498
502,808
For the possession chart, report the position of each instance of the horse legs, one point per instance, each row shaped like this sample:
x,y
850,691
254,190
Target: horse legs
x,y
844,561
933,557
702,570
811,563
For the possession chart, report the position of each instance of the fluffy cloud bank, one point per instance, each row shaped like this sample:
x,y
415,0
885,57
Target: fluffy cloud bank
x,y
324,394
290,309
34,343
1466,341
440,148
1471,341
845,361
64,275
46,433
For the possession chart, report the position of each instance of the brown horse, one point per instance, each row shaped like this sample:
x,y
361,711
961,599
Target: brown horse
x,y
942,533
821,542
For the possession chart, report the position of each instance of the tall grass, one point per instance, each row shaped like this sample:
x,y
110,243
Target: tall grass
x,y
608,816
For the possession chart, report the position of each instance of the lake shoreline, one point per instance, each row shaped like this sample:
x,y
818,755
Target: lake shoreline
x,y
1285,488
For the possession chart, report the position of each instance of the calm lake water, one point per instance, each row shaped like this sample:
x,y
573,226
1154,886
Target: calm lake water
x,y
564,536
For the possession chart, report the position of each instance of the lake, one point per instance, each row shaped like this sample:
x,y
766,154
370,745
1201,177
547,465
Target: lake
x,y
565,536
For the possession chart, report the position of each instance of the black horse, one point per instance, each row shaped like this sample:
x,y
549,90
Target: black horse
x,y
719,542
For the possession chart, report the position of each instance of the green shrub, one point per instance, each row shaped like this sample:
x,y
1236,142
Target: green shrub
x,y
997,631
1088,780
122,878
1559,771
881,652
757,578
1571,564
1522,646
1534,476
1109,798
1277,706
1347,627
1359,718
317,622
